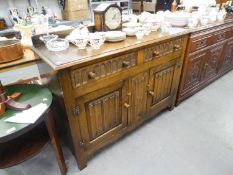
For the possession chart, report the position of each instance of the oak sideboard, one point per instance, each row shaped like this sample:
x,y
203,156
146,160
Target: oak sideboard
x,y
111,91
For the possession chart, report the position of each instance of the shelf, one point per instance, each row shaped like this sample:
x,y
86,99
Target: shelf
x,y
109,1
23,147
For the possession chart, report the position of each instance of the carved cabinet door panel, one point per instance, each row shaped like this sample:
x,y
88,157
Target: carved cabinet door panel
x,y
194,69
103,114
161,88
210,68
227,61
138,100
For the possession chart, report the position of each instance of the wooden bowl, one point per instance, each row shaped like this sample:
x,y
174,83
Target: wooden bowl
x,y
10,50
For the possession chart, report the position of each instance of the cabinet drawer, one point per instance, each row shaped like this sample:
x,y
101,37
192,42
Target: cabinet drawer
x,y
102,69
200,42
162,49
221,35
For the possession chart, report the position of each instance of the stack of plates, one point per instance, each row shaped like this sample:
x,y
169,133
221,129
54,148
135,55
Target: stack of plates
x,y
115,36
178,19
131,24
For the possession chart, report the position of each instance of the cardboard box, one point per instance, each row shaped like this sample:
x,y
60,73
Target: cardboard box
x,y
73,5
75,15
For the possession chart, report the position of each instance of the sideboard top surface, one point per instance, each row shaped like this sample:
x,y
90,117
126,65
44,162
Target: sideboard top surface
x,y
75,57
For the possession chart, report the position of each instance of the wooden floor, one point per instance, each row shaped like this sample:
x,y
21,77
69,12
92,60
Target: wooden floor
x,y
196,138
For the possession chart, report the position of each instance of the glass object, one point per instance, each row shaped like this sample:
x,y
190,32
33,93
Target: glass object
x,y
165,27
46,38
147,29
140,34
204,20
57,44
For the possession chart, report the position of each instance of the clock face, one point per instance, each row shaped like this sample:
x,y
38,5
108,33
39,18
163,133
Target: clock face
x,y
113,18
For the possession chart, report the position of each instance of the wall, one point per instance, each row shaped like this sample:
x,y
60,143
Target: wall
x,y
23,4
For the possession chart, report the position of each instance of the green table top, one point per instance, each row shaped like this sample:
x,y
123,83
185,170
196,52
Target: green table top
x,y
31,94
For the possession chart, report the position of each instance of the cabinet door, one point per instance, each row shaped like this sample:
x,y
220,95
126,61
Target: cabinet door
x,y
161,86
103,115
138,100
210,68
227,61
194,70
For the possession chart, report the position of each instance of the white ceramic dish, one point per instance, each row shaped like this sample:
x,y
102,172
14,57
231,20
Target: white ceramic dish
x,y
130,31
179,19
131,24
114,36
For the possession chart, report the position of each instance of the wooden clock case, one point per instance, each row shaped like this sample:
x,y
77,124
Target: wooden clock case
x,y
99,17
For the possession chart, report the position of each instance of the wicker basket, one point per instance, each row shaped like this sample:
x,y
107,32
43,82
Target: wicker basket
x,y
10,50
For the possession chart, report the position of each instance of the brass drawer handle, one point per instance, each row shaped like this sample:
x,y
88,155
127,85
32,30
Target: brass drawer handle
x,y
206,65
156,53
126,105
176,47
151,93
125,63
92,75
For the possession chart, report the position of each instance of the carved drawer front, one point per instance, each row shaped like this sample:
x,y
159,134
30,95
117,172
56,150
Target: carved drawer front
x,y
221,35
200,42
99,70
162,49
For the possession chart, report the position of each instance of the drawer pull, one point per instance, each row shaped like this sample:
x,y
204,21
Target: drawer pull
x,y
176,47
151,93
91,75
126,105
206,65
125,63
156,53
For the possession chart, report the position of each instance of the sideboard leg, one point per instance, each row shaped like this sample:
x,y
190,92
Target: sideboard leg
x,y
171,107
55,142
81,164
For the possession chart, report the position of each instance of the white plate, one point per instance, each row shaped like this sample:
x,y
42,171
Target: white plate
x,y
131,24
115,35
115,40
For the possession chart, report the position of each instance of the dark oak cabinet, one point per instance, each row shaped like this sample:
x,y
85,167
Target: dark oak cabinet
x,y
209,55
227,60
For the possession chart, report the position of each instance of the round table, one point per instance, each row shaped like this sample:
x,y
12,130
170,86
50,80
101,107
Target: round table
x,y
21,141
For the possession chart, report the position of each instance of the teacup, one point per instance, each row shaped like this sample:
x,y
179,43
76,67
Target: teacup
x,y
80,41
140,34
96,41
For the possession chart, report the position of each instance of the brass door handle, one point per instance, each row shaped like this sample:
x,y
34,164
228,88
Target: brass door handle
x,y
156,53
151,93
125,63
206,65
92,75
126,105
